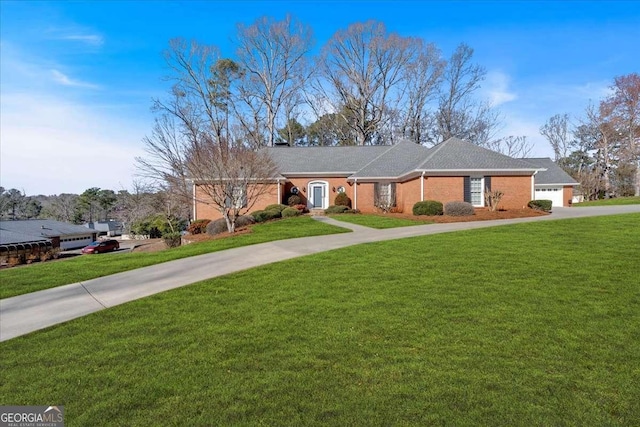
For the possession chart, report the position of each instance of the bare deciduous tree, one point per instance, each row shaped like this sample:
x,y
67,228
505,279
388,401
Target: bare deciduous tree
x,y
360,68
512,146
624,104
557,132
273,57
186,144
459,114
232,178
422,75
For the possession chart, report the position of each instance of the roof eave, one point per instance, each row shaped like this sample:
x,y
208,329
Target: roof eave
x,y
558,183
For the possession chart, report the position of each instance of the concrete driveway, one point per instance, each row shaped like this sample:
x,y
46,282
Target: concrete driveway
x,y
31,312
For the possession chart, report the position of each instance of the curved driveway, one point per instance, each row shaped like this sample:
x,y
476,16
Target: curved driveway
x,y
30,312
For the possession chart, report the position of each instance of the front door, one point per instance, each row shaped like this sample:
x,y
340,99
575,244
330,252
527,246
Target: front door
x,y
317,196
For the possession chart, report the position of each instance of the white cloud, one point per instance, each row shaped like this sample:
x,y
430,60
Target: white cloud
x,y
51,146
65,80
89,39
496,88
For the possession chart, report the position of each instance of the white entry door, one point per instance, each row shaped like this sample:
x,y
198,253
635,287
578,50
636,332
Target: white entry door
x,y
318,195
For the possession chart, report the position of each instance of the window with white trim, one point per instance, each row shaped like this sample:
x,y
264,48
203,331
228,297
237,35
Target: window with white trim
x,y
476,191
236,196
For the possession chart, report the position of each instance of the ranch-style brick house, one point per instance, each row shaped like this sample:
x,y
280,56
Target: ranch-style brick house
x,y
402,174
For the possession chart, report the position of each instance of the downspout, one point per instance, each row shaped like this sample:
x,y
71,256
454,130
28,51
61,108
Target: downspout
x,y
533,186
279,195
422,186
193,193
355,193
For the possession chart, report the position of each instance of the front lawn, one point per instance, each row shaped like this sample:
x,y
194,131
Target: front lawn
x,y
633,200
533,324
378,221
25,279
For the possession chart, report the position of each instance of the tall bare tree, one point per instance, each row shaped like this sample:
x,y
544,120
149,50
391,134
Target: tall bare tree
x,y
459,114
361,66
422,75
624,104
188,143
273,57
557,132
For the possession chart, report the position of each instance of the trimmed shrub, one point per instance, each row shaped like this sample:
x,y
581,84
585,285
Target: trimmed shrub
x,y
459,209
266,215
173,240
302,208
541,205
244,220
336,209
428,207
220,225
289,212
278,208
199,226
352,211
216,227
342,200
294,199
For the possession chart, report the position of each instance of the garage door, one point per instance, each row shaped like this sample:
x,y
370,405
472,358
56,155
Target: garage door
x,y
553,193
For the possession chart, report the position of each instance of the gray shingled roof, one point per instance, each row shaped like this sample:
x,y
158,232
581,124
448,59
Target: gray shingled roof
x,y
10,237
553,173
400,159
38,229
456,154
328,160
392,162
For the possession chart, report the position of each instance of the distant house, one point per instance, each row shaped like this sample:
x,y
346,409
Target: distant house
x,y
398,176
106,228
60,234
552,183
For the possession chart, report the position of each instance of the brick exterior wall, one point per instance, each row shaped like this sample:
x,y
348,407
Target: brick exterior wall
x,y
516,189
567,195
517,193
444,189
205,210
407,194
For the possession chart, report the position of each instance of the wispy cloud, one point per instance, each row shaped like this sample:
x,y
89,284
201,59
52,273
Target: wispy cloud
x,y
496,88
65,80
89,39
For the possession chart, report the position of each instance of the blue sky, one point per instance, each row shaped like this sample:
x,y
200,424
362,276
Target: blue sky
x,y
77,78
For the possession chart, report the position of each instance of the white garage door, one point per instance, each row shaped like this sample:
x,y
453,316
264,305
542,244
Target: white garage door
x,y
553,193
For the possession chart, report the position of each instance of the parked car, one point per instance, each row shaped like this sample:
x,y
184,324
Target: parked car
x,y
101,246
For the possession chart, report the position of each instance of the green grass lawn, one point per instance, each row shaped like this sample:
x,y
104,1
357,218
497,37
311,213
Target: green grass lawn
x,y
532,324
378,221
611,202
25,279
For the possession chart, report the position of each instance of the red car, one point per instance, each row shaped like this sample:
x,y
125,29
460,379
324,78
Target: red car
x,y
101,246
